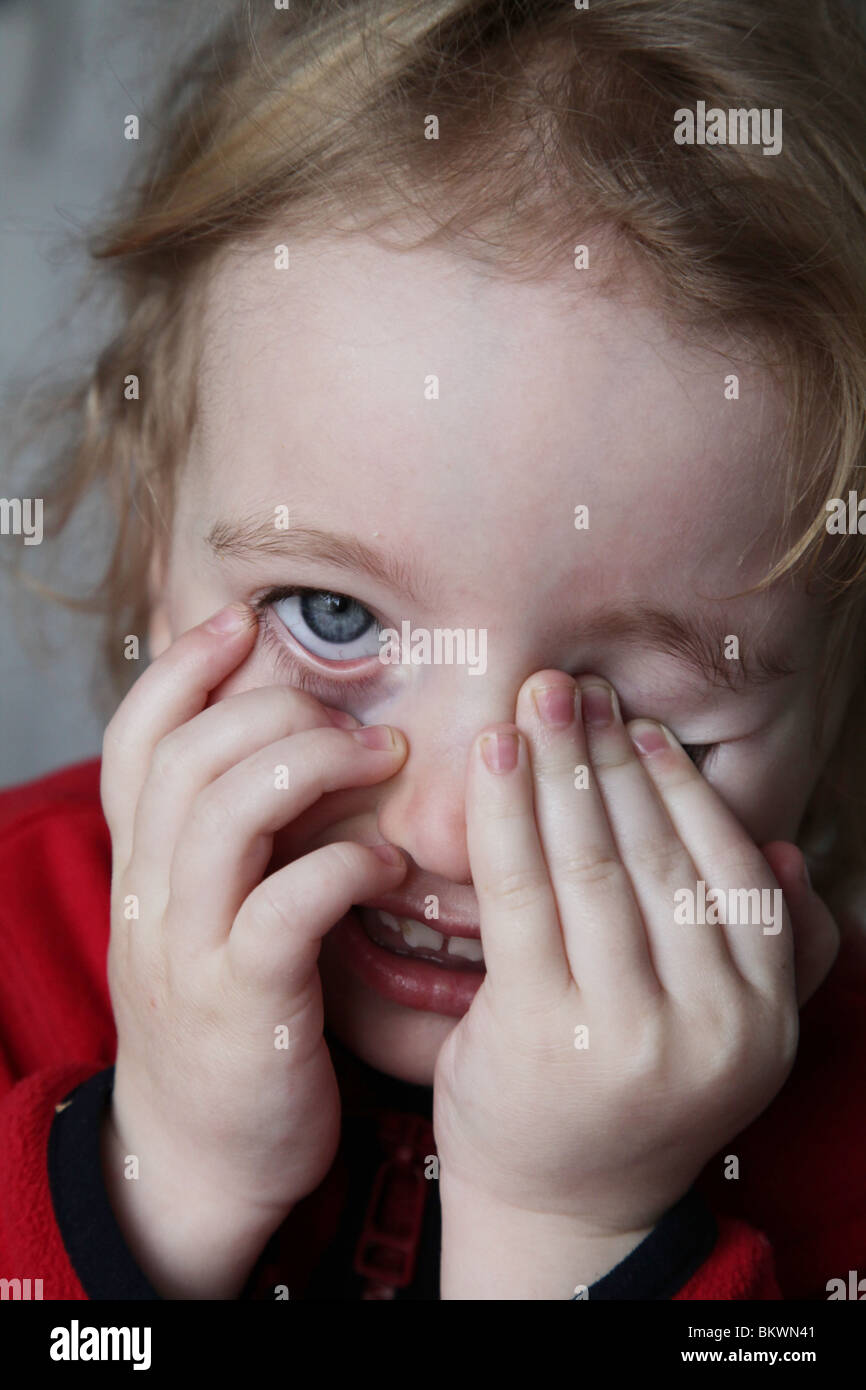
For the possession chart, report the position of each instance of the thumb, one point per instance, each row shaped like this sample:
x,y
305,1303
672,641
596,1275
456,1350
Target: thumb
x,y
816,935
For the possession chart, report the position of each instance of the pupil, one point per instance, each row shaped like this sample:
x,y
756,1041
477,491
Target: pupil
x,y
334,617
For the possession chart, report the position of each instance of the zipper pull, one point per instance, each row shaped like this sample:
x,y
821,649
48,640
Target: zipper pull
x,y
387,1248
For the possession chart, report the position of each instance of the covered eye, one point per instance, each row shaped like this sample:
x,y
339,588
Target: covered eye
x,y
698,752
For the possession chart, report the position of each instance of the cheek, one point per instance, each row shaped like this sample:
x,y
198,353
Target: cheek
x,y
767,791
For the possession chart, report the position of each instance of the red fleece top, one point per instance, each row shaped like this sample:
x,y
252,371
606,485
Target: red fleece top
x,y
794,1218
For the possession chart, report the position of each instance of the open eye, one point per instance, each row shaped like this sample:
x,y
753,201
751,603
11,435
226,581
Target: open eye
x,y
327,624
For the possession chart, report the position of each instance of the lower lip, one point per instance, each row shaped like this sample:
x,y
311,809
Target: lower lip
x,y
417,984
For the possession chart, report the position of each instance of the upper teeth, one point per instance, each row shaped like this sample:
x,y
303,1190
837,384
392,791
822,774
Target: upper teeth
x,y
417,934
465,946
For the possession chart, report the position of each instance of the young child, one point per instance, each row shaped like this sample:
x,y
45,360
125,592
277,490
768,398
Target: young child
x,y
436,922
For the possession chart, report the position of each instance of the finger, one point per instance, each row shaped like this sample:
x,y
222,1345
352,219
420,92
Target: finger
x,y
816,933
169,692
656,860
520,933
604,934
735,881
190,757
227,840
274,942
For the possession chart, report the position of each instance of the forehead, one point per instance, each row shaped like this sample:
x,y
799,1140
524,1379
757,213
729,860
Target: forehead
x,y
463,417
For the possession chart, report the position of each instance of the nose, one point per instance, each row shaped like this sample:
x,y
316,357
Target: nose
x,y
422,811
422,808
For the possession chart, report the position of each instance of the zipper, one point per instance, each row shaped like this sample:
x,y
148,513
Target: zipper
x,y
387,1249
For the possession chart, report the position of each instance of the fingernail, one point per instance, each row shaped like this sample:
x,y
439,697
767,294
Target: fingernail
x,y
805,873
229,619
599,704
648,738
499,751
555,705
389,854
379,736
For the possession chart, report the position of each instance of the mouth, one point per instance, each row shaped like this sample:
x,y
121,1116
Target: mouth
x,y
417,965
406,936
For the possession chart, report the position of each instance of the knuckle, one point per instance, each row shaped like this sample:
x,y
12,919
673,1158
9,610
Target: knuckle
x,y
522,888
733,863
322,759
615,754
782,1030
736,1047
326,742
343,857
647,1046
680,773
167,760
659,856
596,868
730,1036
507,814
268,912
286,700
345,863
212,815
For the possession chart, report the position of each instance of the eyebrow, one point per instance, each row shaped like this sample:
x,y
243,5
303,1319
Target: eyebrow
x,y
244,540
696,640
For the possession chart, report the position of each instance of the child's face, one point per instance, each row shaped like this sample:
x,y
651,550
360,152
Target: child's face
x,y
316,396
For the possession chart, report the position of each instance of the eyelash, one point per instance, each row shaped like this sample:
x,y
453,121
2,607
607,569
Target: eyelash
x,y
287,664
305,679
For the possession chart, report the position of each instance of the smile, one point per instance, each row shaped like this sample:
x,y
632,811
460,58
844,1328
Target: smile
x,y
404,936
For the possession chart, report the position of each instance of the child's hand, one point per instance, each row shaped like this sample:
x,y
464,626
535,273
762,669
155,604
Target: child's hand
x,y
211,969
689,1030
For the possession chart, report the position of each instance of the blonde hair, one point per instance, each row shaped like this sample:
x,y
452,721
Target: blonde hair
x,y
555,125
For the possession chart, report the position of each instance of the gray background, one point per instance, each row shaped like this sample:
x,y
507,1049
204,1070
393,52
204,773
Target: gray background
x,y
70,71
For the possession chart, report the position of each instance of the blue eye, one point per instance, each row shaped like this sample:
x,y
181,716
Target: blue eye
x,y
325,623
